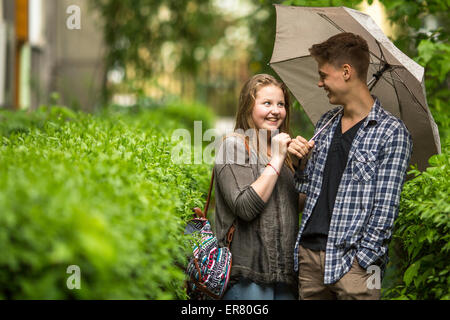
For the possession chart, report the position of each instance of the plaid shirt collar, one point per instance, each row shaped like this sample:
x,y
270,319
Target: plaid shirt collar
x,y
375,113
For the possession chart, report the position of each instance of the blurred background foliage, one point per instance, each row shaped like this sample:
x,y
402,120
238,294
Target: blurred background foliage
x,y
148,37
205,49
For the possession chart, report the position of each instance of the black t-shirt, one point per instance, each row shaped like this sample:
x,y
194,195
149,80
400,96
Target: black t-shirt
x,y
315,234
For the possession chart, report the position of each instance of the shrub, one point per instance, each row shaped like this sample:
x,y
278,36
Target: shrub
x,y
421,241
170,113
99,192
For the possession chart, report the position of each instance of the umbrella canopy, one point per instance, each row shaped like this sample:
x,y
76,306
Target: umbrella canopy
x,y
400,87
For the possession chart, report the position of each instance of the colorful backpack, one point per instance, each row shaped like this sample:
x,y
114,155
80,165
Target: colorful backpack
x,y
210,265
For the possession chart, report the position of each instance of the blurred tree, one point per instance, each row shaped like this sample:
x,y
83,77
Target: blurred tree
x,y
144,37
262,24
425,30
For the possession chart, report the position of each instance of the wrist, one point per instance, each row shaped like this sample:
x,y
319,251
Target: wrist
x,y
277,171
277,161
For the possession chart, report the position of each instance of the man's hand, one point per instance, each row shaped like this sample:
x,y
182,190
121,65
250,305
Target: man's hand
x,y
300,148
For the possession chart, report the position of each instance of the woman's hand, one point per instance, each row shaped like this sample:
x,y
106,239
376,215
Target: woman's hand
x,y
279,146
265,184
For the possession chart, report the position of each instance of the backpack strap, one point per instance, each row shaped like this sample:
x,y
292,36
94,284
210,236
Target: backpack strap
x,y
204,214
211,184
230,234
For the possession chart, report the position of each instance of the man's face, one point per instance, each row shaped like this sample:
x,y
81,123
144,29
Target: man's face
x,y
333,82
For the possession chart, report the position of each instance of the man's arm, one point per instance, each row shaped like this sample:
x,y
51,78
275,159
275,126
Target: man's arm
x,y
390,178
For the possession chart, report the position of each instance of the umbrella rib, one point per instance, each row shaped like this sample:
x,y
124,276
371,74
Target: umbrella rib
x,y
386,77
400,106
392,67
383,58
380,59
326,124
290,59
410,92
342,30
331,22
383,75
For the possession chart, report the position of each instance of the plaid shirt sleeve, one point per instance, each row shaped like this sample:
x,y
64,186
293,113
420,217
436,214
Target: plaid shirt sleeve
x,y
390,178
302,186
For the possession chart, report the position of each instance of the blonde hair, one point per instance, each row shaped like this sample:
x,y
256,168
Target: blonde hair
x,y
247,100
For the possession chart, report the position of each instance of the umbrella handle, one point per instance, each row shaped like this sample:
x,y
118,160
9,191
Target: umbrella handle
x,y
326,125
302,161
377,76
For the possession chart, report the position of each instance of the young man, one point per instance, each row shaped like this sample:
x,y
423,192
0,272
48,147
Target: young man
x,y
353,180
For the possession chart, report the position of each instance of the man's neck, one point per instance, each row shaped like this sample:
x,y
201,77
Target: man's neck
x,y
358,105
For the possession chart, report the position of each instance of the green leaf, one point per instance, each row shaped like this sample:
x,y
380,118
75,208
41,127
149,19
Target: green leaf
x,y
410,273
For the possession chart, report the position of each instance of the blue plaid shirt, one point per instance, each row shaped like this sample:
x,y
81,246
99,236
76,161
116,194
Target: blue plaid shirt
x,y
368,195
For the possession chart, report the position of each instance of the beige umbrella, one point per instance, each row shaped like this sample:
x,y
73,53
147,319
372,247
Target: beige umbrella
x,y
399,83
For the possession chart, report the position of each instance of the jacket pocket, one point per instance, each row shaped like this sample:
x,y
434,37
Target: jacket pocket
x,y
363,165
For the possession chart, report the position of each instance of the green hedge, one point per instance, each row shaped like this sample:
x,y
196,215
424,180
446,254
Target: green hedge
x,y
99,192
421,241
169,113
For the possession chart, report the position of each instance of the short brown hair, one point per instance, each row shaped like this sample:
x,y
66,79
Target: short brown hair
x,y
344,48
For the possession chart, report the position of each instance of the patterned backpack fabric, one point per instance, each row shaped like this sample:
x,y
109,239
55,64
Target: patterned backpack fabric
x,y
209,268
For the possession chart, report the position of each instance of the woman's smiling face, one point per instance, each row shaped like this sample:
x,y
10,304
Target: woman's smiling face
x,y
269,110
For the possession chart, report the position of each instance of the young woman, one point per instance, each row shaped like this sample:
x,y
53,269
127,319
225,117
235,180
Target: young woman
x,y
255,193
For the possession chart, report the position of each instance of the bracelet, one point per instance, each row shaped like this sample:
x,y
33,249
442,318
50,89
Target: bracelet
x,y
273,168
